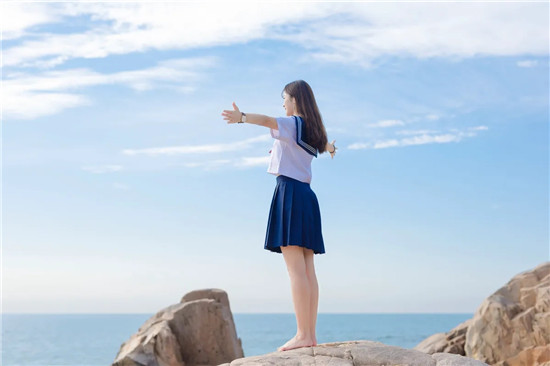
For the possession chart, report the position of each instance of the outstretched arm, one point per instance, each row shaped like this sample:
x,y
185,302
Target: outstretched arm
x,y
235,116
331,148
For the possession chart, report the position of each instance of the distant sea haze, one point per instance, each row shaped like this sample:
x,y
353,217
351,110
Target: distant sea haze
x,y
94,339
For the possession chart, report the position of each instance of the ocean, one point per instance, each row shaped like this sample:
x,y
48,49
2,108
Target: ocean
x,y
95,339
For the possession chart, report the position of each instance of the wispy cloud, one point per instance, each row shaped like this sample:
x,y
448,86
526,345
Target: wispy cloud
x,y
247,162
241,162
199,149
19,17
429,139
121,186
208,164
420,139
387,123
527,63
52,91
137,27
433,117
415,132
478,128
101,169
16,103
336,129
429,117
350,33
360,33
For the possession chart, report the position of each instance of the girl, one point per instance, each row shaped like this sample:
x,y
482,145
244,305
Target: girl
x,y
294,225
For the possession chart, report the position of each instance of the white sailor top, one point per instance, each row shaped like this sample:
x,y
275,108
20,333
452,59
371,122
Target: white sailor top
x,y
291,155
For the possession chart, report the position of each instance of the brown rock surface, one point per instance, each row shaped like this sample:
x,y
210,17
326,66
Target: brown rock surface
x,y
198,331
450,342
532,356
355,353
514,318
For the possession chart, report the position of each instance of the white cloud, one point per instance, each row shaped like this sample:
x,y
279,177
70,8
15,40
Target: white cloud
x,y
100,169
421,139
479,128
360,33
387,143
387,123
242,162
351,33
18,17
433,117
198,149
18,104
209,164
417,140
358,146
121,186
336,129
527,63
414,132
47,91
429,117
253,161
429,139
138,27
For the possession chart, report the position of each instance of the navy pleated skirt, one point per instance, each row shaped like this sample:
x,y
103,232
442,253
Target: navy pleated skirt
x,y
294,217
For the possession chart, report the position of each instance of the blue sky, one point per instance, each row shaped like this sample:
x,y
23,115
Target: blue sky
x,y
123,187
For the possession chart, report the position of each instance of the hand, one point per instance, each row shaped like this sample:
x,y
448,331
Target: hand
x,y
233,116
333,149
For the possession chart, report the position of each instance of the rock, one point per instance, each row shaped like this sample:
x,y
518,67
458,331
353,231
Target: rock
x,y
198,331
532,356
450,342
355,353
511,325
435,343
512,319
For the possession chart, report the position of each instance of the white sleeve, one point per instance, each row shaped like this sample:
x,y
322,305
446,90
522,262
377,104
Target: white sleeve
x,y
286,131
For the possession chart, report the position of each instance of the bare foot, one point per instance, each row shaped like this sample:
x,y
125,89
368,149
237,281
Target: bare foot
x,y
296,343
314,341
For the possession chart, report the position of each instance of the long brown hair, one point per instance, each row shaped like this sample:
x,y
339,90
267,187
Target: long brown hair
x,y
306,106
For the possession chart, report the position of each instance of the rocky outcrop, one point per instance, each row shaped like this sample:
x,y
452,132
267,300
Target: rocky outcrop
x,y
511,325
198,331
532,356
451,342
355,353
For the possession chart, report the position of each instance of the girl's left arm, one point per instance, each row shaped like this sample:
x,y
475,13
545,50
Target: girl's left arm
x,y
331,148
262,120
234,116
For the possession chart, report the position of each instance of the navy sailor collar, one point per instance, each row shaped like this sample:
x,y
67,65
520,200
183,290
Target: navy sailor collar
x,y
300,132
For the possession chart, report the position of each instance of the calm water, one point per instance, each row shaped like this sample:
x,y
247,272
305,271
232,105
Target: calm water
x,y
94,339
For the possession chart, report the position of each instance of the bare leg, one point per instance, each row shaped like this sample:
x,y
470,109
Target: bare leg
x,y
314,286
301,293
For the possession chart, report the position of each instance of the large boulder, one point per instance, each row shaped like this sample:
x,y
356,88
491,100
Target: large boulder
x,y
450,342
197,331
355,353
532,356
515,317
511,325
